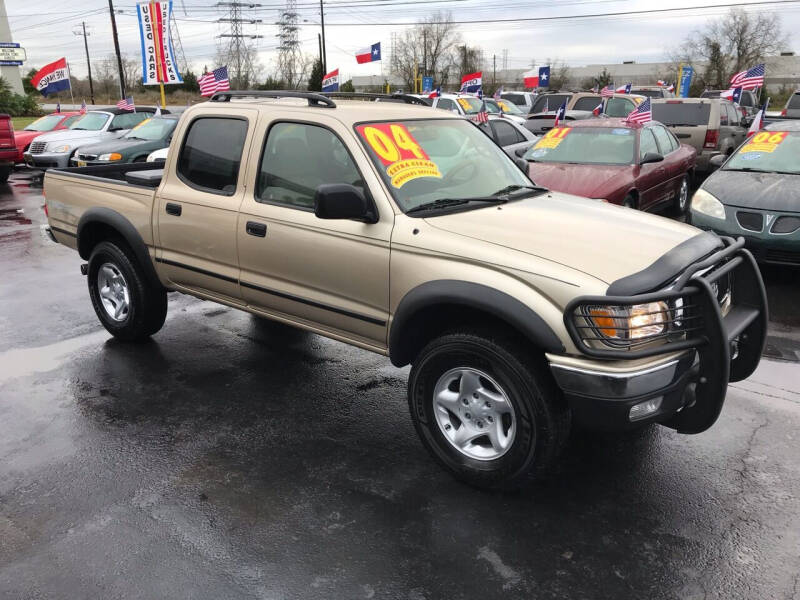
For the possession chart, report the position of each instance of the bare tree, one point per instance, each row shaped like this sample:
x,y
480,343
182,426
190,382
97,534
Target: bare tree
x,y
429,48
251,67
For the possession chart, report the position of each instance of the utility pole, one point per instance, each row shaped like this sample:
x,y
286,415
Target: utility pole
x,y
88,62
116,49
322,24
424,53
319,40
494,69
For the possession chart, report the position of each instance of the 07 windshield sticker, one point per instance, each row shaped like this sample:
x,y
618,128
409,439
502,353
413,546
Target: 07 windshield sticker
x,y
464,103
766,141
401,155
553,138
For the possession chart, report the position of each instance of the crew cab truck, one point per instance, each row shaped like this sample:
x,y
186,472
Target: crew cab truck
x,y
406,231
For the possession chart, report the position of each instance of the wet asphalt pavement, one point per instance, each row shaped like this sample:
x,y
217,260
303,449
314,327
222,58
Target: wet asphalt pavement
x,y
235,458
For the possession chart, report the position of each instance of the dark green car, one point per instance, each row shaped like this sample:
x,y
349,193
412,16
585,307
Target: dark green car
x,y
149,135
756,194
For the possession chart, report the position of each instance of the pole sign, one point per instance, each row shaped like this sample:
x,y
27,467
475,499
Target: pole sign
x,y
427,84
11,54
686,80
158,57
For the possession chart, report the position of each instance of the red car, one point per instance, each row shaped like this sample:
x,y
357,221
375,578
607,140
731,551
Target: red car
x,y
8,151
47,123
639,166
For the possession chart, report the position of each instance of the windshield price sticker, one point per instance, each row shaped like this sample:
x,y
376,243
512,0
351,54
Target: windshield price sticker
x,y
464,103
766,141
141,124
502,105
553,137
403,157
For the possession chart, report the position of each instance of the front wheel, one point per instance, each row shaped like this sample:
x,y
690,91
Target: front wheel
x,y
485,409
682,198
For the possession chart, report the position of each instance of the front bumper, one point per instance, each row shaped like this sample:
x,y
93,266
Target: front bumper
x,y
686,375
47,160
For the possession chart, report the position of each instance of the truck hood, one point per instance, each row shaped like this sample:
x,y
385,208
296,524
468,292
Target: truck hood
x,y
603,240
590,181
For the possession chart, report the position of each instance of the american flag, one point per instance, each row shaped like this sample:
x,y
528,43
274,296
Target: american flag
x,y
126,104
83,107
497,93
642,114
606,92
482,116
216,81
750,79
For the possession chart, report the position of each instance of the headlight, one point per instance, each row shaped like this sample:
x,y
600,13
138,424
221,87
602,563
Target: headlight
x,y
624,323
62,148
111,156
705,203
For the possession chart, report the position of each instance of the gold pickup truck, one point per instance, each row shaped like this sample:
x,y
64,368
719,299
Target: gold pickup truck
x,y
406,231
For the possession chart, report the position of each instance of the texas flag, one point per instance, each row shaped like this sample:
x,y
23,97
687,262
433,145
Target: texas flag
x,y
52,78
471,82
625,89
330,82
560,114
537,77
369,54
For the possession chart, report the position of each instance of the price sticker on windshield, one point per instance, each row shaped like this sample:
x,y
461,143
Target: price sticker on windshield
x,y
553,138
141,124
765,141
400,153
503,106
464,103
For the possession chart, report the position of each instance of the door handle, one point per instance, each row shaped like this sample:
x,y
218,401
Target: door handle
x,y
174,209
256,229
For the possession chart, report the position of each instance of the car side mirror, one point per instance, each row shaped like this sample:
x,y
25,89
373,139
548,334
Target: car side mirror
x,y
717,161
651,157
746,121
522,164
520,152
342,201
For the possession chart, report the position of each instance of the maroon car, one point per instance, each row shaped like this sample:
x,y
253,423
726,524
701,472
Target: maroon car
x,y
639,166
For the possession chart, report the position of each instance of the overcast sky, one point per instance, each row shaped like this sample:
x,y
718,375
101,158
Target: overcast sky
x,y
45,29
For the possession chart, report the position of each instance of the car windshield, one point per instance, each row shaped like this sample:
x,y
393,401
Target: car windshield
x,y
152,129
585,145
45,123
675,112
424,161
769,152
92,121
508,107
472,105
549,102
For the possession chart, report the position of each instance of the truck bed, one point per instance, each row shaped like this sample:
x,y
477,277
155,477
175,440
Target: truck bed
x,y
118,173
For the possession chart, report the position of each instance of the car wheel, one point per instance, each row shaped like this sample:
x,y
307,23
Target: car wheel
x,y
682,199
5,173
127,304
487,410
629,202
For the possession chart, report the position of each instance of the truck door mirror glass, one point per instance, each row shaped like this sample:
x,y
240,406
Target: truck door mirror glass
x,y
342,201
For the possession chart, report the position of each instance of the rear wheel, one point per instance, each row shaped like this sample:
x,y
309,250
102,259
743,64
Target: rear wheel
x,y
129,306
485,409
5,172
629,202
682,198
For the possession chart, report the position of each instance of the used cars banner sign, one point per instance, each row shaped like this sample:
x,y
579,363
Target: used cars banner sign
x,y
158,57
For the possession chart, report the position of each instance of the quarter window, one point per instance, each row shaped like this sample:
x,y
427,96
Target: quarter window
x,y
297,159
211,153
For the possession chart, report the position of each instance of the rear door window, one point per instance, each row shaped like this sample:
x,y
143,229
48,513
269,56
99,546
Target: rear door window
x,y
211,154
587,103
682,113
723,114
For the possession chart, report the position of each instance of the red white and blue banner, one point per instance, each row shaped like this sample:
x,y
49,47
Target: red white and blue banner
x,y
330,82
52,78
369,54
158,57
471,82
537,77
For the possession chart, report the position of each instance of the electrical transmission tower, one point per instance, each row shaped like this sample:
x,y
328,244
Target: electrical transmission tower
x,y
183,66
289,58
239,52
393,56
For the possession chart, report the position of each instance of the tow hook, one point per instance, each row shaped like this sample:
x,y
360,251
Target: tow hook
x,y
84,268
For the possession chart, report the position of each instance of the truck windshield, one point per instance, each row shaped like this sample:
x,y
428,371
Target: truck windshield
x,y
768,152
45,123
424,161
91,121
152,129
585,145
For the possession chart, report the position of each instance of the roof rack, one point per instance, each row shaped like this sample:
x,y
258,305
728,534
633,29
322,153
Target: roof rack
x,y
313,98
395,97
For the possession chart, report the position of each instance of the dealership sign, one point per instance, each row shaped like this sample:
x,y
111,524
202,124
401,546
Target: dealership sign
x,y
158,56
11,54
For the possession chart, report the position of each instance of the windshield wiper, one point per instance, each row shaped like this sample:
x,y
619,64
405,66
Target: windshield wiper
x,y
752,170
514,187
448,202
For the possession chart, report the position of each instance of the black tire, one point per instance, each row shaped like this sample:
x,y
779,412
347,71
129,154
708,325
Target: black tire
x,y
542,416
147,303
5,173
682,198
629,201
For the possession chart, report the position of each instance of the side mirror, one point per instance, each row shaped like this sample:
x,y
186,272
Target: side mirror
x,y
651,157
746,121
520,152
522,164
342,201
717,160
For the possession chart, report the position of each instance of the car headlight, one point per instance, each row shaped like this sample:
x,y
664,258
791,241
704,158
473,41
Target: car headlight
x,y
111,156
62,148
628,323
705,203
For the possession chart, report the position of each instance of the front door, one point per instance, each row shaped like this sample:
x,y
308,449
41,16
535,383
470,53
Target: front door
x,y
198,205
652,176
332,275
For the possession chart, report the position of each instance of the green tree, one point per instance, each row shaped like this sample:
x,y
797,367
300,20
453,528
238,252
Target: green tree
x,y
15,104
315,80
189,82
347,86
26,82
271,83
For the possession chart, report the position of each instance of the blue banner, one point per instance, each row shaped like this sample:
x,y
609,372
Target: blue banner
x,y
686,81
427,85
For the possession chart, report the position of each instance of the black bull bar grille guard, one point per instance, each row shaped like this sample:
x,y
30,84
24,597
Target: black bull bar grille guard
x,y
728,339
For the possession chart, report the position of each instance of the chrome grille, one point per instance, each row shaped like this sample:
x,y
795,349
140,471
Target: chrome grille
x,y
38,147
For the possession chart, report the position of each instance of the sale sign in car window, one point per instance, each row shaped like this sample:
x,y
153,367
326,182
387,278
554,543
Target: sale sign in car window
x,y
398,151
764,141
553,138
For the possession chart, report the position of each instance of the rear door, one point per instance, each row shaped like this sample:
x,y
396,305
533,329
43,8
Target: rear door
x,y
675,166
652,177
